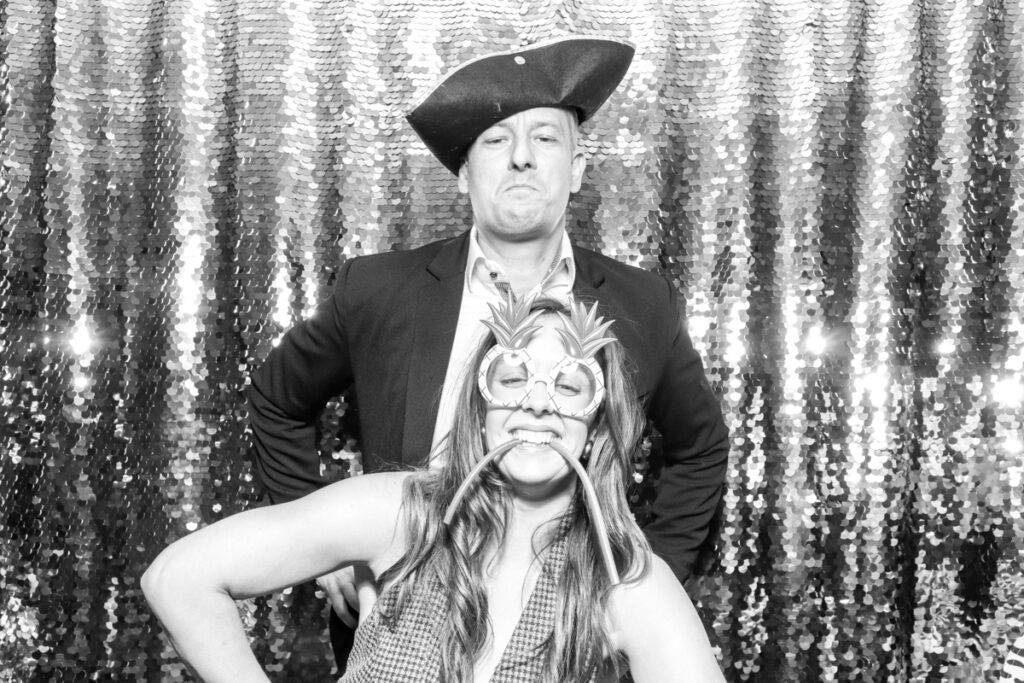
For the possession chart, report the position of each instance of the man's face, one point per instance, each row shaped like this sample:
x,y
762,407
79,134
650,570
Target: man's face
x,y
520,172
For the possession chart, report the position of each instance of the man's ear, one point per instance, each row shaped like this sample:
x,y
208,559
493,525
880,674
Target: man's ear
x,y
579,165
463,179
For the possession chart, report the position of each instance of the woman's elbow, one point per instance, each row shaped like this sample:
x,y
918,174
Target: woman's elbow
x,y
170,576
154,580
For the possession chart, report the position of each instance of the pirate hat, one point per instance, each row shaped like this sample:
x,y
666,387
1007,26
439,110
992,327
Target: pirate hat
x,y
577,73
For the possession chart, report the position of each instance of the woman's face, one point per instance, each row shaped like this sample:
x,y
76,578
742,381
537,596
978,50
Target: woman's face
x,y
548,387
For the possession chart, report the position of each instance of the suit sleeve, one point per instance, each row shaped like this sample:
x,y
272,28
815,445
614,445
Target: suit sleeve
x,y
310,366
695,445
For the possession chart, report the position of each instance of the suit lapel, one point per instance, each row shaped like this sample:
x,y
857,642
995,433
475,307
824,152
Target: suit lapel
x,y
587,289
588,278
436,315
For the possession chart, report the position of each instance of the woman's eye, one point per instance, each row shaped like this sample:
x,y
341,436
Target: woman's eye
x,y
572,383
568,389
512,382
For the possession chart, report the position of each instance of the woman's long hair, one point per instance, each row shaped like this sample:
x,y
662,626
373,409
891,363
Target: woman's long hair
x,y
454,559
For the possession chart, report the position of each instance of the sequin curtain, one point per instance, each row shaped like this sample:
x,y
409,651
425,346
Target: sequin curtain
x,y
833,185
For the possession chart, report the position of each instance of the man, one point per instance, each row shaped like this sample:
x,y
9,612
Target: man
x,y
399,327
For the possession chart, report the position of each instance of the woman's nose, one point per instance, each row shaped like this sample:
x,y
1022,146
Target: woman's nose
x,y
537,399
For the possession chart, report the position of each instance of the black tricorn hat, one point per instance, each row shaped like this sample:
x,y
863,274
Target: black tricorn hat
x,y
576,73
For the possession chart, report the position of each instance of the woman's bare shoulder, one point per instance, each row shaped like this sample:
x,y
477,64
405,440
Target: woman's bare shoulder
x,y
656,584
654,623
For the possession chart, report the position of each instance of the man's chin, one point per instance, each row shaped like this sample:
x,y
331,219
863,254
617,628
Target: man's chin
x,y
521,228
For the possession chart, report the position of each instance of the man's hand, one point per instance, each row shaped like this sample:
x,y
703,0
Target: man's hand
x,y
340,587
350,590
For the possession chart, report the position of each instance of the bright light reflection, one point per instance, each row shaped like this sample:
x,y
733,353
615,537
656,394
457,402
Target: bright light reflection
x,y
1009,392
81,382
816,342
947,347
698,326
190,293
189,286
877,388
1013,445
735,350
282,310
425,65
81,339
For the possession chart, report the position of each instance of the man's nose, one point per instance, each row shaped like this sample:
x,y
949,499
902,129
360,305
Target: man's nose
x,y
522,154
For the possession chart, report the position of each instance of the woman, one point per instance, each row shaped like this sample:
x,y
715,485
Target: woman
x,y
492,566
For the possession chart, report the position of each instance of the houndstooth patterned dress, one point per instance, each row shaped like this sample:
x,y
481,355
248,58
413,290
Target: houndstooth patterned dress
x,y
409,652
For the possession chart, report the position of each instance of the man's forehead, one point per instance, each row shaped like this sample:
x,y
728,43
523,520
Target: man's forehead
x,y
540,116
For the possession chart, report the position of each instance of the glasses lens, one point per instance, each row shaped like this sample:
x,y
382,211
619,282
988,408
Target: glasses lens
x,y
507,377
573,387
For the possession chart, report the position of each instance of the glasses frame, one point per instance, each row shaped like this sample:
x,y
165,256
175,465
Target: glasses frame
x,y
523,355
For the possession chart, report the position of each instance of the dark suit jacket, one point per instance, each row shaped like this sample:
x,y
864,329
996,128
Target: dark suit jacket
x,y
387,332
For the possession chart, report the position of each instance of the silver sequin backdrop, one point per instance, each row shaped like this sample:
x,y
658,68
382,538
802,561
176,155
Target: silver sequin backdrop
x,y
834,186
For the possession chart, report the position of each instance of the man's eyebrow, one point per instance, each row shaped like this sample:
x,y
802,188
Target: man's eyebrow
x,y
500,124
541,123
549,121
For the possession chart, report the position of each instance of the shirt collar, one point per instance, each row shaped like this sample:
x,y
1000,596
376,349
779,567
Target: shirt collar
x,y
482,272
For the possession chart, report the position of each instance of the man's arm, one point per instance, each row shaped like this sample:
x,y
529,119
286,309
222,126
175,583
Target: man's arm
x,y
695,445
310,366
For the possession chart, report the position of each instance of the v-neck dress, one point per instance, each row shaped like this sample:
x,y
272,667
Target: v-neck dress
x,y
409,650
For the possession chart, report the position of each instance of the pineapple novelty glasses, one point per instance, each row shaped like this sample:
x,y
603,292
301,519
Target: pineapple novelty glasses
x,y
508,375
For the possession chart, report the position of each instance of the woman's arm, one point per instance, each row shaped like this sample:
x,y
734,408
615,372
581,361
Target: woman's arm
x,y
192,584
656,626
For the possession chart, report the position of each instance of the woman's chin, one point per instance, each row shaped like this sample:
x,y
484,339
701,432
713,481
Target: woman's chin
x,y
534,465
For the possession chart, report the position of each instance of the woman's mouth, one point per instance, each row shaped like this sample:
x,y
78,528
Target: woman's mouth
x,y
528,436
